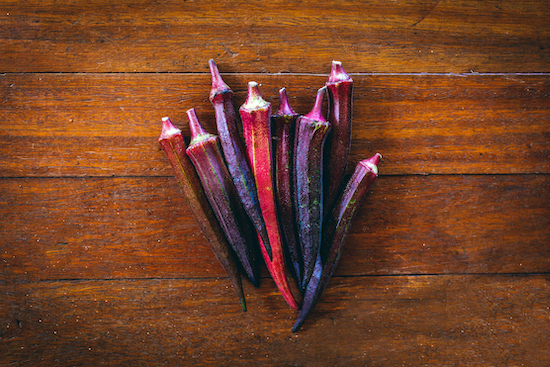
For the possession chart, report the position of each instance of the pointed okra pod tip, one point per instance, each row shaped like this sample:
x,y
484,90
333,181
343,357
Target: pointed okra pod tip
x,y
316,112
254,100
284,106
337,73
168,129
372,163
197,132
218,85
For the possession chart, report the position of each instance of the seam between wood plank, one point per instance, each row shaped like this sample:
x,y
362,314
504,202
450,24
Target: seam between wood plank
x,y
419,275
473,73
381,175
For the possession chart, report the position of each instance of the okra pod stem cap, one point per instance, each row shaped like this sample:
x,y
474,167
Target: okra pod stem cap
x,y
284,105
197,132
337,73
168,129
254,100
218,85
316,112
372,163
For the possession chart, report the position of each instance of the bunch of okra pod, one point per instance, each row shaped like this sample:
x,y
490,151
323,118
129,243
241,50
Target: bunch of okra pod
x,y
282,191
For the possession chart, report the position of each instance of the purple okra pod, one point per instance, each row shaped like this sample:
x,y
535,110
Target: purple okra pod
x,y
171,141
284,125
340,88
206,155
335,231
311,132
221,97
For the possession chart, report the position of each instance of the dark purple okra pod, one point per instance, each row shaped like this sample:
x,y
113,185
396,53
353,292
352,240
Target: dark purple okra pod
x,y
311,132
207,157
335,231
340,88
284,124
235,157
171,141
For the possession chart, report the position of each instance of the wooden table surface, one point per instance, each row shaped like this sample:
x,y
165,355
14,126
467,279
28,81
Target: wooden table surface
x,y
448,259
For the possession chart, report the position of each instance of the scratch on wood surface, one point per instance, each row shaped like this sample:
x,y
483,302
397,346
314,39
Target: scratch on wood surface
x,y
427,13
229,51
113,43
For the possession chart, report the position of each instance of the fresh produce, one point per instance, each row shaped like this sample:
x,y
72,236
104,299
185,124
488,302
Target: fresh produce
x,y
284,190
221,97
206,155
256,118
335,232
340,87
171,141
311,132
284,124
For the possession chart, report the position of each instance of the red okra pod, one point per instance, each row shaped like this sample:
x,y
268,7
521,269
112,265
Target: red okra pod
x,y
256,118
340,87
235,157
207,157
171,141
311,132
284,125
336,229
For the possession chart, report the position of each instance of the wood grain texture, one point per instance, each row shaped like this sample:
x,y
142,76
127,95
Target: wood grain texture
x,y
104,125
275,36
107,228
487,320
446,264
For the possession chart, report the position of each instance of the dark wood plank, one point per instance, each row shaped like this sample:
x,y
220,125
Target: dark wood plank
x,y
275,36
141,228
360,321
105,124
100,228
452,224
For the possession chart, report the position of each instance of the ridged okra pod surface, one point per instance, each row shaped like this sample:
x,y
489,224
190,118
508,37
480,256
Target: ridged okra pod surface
x,y
171,141
206,155
221,97
284,126
340,88
311,133
256,118
335,231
